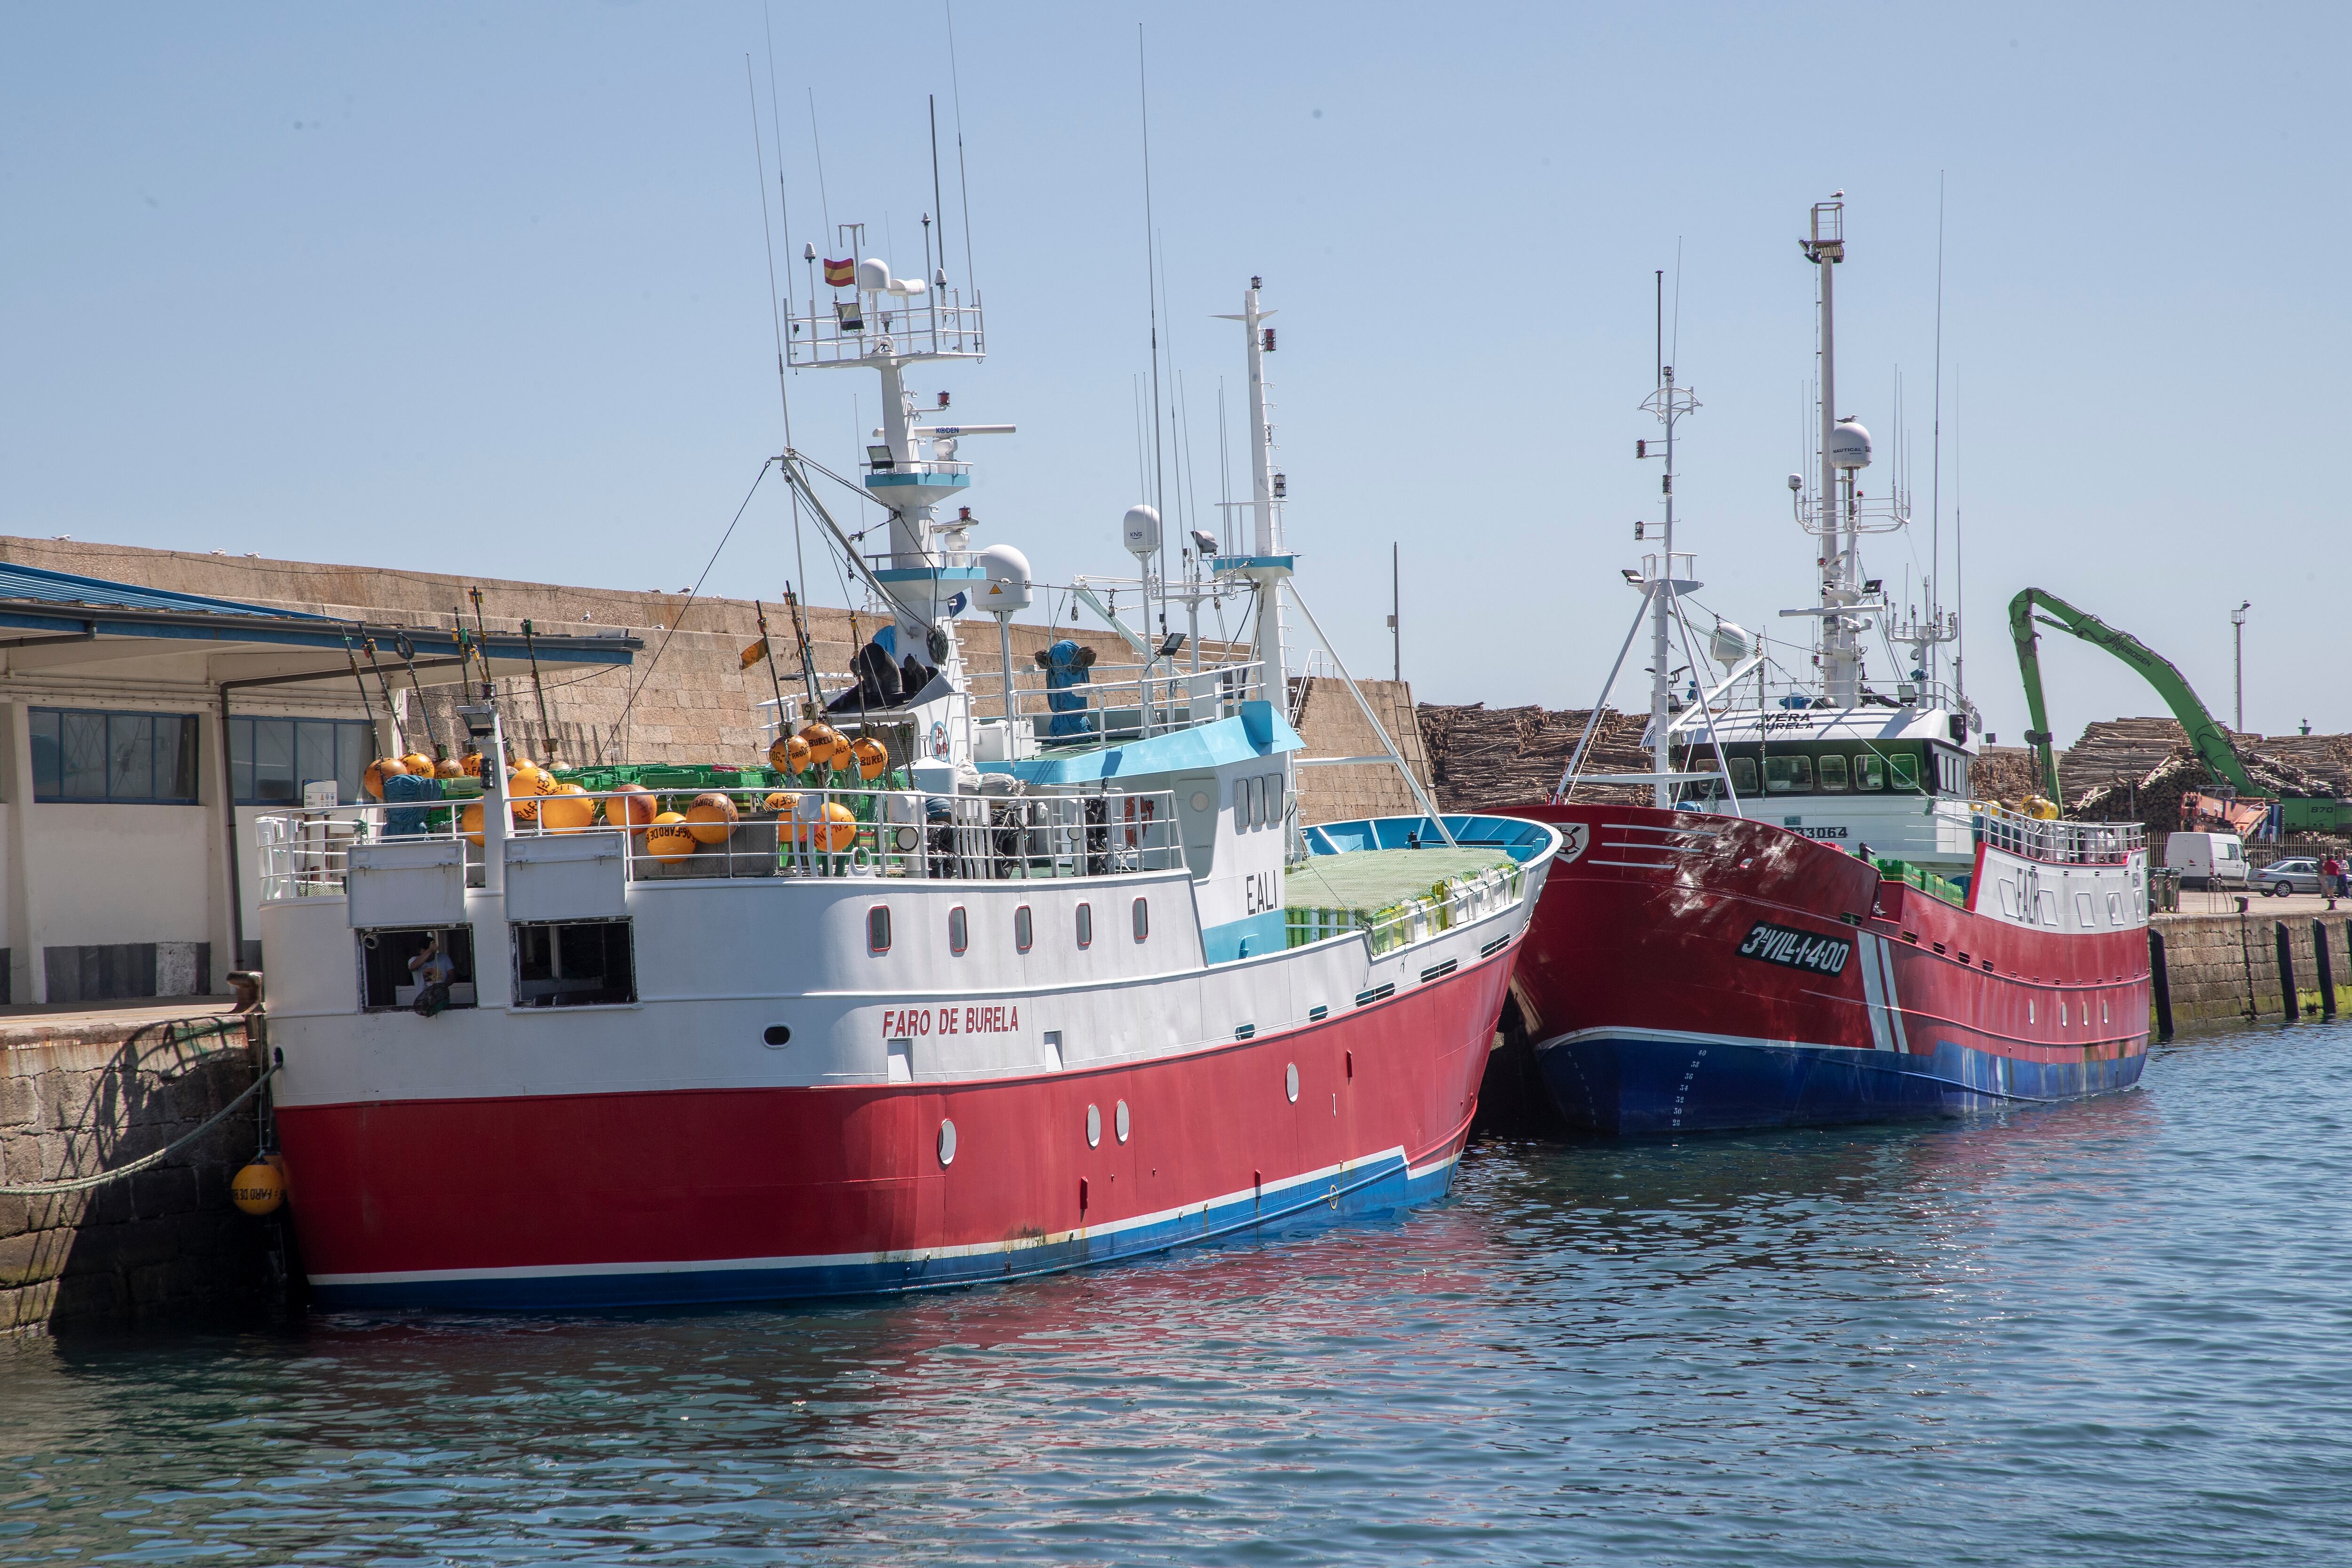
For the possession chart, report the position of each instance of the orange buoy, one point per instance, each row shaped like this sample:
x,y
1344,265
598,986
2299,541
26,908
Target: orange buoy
x,y
711,817
418,763
260,1187
827,826
378,771
449,768
872,757
632,807
567,809
779,802
669,838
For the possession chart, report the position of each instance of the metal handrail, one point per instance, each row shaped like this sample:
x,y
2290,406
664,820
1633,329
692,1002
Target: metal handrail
x,y
2057,843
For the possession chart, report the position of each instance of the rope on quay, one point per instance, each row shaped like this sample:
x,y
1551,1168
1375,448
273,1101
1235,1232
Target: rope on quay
x,y
84,1184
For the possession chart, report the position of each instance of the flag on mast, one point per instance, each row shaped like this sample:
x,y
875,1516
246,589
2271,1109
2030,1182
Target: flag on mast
x,y
839,274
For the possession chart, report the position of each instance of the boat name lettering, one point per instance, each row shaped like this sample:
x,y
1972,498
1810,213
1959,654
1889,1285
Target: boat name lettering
x,y
1818,832
907,1023
1771,721
1261,892
1796,949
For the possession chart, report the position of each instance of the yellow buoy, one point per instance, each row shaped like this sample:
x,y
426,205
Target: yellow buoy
x,y
826,826
449,768
418,763
669,838
259,1188
789,754
872,756
378,771
710,817
567,809
632,806
779,801
470,764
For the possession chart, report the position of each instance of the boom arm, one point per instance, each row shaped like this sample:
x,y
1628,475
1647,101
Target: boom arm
x,y
2212,741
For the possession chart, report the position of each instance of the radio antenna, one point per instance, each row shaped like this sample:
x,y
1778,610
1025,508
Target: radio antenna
x,y
964,187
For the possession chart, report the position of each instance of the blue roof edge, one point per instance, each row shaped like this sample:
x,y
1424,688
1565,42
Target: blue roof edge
x,y
44,586
1258,731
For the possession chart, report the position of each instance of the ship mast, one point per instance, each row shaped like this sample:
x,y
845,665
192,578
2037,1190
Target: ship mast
x,y
1669,402
1840,534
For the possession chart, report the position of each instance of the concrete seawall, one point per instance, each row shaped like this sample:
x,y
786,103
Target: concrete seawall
x,y
82,1093
2223,965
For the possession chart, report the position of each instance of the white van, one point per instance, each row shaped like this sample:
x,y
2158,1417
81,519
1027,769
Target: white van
x,y
2207,859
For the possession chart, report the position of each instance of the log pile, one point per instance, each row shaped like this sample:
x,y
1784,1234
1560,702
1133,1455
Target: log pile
x,y
2004,773
2154,798
1483,757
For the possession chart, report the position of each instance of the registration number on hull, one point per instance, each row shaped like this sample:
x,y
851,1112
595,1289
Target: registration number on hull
x,y
1794,949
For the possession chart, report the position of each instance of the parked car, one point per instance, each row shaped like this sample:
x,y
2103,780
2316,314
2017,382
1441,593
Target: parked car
x,y
2207,859
2281,877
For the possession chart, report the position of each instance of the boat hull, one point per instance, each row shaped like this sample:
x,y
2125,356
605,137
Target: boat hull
x,y
1687,973
762,1193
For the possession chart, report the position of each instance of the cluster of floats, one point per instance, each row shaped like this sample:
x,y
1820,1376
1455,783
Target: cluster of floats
x,y
981,976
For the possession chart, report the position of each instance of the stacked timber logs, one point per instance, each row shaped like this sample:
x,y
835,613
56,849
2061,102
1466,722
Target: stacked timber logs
x,y
1482,757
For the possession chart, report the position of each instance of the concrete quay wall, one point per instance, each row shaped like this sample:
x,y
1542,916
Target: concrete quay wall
x,y
2225,965
84,1095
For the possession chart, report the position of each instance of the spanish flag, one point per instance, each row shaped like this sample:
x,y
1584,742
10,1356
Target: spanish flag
x,y
839,274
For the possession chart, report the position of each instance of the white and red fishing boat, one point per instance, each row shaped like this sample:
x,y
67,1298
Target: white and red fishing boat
x,y
1812,922
1019,991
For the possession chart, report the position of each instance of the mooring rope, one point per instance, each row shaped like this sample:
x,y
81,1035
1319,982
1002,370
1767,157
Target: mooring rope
x,y
84,1184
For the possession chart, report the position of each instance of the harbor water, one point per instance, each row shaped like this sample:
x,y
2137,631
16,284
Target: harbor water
x,y
2109,1331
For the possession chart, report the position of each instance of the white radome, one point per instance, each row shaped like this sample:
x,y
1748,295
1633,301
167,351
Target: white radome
x,y
1140,530
1008,580
1849,445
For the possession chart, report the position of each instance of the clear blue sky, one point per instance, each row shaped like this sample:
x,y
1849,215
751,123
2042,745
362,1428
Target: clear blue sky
x,y
482,287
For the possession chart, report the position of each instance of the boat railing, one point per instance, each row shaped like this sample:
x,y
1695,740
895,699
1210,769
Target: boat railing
x,y
1461,900
871,832
1109,706
862,326
2058,843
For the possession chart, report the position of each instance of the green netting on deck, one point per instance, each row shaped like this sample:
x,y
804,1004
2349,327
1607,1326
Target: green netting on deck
x,y
1919,877
1380,891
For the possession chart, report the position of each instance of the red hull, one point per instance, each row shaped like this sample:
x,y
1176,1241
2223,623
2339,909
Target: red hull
x,y
1929,1006
763,1192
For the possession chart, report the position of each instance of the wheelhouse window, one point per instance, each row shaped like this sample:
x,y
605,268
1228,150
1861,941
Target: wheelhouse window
x,y
1869,772
1085,925
99,757
1023,930
1743,775
573,964
271,759
1833,775
397,963
1903,769
958,929
1789,775
1142,915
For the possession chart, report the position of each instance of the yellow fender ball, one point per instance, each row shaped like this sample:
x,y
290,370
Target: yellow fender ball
x,y
567,809
418,763
872,756
826,826
378,771
711,817
259,1188
669,838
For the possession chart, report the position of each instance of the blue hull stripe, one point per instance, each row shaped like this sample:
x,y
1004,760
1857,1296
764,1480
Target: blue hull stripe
x,y
1377,1187
1609,1081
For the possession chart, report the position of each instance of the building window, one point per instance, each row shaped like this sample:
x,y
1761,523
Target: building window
x,y
1143,913
1869,773
1832,770
395,963
573,964
958,929
272,759
877,929
1085,925
1789,775
121,759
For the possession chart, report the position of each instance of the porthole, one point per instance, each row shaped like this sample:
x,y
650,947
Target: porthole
x,y
877,929
947,1143
958,929
1200,800
1120,1122
1023,933
776,1035
1142,917
1085,925
1290,1082
1094,1126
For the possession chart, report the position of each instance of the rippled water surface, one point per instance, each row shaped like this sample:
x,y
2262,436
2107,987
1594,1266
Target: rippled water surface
x,y
2117,1331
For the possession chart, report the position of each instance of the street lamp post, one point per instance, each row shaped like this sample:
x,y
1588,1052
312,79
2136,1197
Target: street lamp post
x,y
2238,631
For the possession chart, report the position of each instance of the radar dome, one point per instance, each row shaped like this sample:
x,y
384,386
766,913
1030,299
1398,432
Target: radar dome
x,y
1730,644
1142,531
1007,588
1849,445
873,275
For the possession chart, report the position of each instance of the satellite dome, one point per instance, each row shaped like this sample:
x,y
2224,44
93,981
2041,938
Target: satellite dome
x,y
1849,445
1141,532
1007,589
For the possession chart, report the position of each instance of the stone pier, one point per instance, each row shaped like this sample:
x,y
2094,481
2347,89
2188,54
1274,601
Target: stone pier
x,y
86,1091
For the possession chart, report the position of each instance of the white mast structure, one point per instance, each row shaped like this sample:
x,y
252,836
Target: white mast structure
x,y
1267,564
